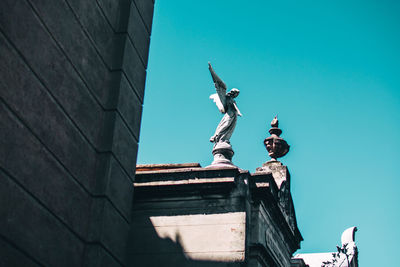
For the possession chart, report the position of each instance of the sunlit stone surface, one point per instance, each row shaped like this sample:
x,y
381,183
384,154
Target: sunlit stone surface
x,y
217,237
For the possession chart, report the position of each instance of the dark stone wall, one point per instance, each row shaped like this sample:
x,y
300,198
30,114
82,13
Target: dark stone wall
x,y
72,77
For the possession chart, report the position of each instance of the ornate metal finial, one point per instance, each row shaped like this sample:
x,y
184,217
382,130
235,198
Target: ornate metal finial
x,y
275,145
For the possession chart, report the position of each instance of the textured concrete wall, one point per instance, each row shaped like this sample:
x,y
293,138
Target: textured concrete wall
x,y
206,237
72,76
215,239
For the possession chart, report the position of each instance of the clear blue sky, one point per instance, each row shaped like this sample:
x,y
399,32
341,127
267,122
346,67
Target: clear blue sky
x,y
329,69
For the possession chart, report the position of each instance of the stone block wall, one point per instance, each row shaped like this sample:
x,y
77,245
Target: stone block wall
x,y
72,77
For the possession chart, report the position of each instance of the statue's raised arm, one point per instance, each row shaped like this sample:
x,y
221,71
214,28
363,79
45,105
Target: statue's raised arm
x,y
220,97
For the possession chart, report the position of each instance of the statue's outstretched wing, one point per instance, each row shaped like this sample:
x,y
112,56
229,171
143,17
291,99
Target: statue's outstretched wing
x,y
218,102
220,97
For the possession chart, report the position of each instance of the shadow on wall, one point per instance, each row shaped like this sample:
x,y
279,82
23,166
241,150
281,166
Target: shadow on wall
x,y
148,249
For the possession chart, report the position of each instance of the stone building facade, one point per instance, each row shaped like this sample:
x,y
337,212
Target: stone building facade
x,y
72,77
186,215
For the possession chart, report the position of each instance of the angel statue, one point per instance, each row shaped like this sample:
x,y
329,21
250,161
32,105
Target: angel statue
x,y
227,105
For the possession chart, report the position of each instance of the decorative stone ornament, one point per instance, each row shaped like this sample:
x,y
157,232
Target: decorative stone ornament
x,y
275,145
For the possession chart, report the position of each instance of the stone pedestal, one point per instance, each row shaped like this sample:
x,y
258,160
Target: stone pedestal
x,y
277,169
223,154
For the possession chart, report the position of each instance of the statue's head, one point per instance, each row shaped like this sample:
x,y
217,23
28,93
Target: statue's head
x,y
234,92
